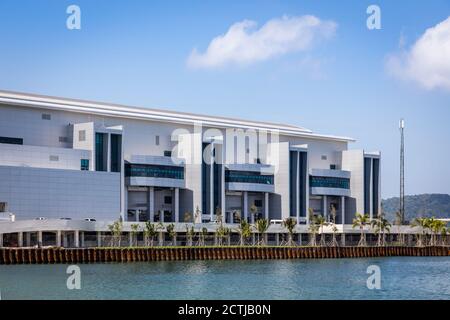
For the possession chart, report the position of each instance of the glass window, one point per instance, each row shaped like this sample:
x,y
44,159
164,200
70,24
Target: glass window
x,y
168,200
8,140
329,182
99,147
154,171
116,150
248,177
157,140
84,164
167,153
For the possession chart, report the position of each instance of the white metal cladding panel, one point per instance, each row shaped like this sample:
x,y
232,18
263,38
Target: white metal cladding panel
x,y
330,173
42,157
330,191
155,182
257,187
54,193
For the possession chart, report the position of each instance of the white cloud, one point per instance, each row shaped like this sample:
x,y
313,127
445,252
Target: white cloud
x,y
427,62
245,44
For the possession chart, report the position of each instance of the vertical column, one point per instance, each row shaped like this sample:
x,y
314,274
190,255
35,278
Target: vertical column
x,y
325,208
130,239
82,238
65,240
277,238
161,238
28,239
125,201
177,204
20,239
245,205
136,218
77,239
108,153
39,240
371,190
1,240
211,182
343,210
151,203
297,188
222,184
99,238
266,205
58,238
306,173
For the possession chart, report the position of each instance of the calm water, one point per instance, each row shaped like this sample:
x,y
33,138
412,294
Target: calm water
x,y
402,278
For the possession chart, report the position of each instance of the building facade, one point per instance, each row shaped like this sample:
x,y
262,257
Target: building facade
x,y
71,159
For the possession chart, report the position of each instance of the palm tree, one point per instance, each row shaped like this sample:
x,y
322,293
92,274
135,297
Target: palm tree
x,y
111,230
197,215
321,222
190,233
150,232
334,242
116,231
333,213
170,229
218,215
261,226
423,224
221,233
313,227
237,215
253,211
245,232
398,222
437,227
289,224
134,231
380,226
444,233
202,237
361,221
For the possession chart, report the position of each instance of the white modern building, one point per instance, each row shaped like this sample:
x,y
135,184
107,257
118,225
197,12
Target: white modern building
x,y
71,159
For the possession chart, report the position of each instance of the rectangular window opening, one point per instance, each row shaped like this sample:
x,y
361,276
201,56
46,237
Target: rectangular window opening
x,y
82,135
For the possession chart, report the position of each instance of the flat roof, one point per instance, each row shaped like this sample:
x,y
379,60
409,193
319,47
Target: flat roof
x,y
122,111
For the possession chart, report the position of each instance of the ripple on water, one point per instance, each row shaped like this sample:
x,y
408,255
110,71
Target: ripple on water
x,y
402,278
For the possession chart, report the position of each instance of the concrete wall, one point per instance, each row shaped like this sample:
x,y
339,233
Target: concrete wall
x,y
353,160
279,201
56,193
317,149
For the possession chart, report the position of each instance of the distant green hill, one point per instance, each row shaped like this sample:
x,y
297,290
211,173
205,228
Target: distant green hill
x,y
421,205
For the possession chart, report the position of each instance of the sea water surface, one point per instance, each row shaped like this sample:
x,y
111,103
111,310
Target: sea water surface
x,y
401,278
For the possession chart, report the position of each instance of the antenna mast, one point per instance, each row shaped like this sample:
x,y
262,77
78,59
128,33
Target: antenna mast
x,y
402,171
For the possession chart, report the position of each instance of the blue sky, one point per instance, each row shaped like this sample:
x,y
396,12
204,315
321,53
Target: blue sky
x,y
136,53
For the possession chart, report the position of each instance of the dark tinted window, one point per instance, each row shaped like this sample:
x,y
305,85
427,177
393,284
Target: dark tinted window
x,y
9,140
